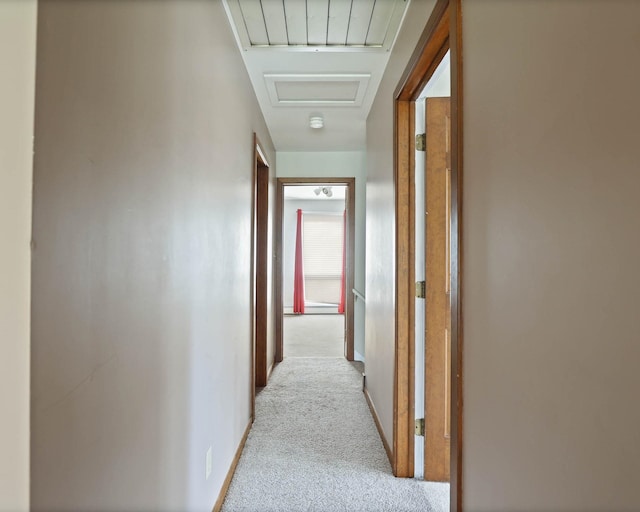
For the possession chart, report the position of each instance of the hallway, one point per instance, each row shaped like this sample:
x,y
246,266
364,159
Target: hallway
x,y
314,447
127,235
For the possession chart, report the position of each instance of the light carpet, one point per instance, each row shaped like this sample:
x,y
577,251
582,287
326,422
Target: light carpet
x,y
313,335
314,447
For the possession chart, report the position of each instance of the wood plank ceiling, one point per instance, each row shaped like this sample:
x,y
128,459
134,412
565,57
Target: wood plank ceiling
x,y
330,23
316,58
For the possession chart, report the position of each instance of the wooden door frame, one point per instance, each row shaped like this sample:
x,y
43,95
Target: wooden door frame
x,y
259,269
442,33
350,204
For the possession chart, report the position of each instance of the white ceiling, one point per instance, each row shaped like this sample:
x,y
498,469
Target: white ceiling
x,y
316,57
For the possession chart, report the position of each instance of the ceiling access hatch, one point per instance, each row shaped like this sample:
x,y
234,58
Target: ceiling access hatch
x,y
292,90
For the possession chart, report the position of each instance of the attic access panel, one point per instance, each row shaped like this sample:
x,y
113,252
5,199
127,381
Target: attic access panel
x,y
339,90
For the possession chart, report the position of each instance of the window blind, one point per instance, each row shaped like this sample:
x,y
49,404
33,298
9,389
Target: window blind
x,y
322,253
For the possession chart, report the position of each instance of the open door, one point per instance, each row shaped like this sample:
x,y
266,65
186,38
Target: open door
x,y
437,290
442,34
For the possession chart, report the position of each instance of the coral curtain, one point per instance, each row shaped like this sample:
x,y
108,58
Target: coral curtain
x,y
298,271
344,264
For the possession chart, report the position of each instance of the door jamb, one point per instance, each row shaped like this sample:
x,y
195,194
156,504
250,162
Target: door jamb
x,y
259,269
350,206
442,32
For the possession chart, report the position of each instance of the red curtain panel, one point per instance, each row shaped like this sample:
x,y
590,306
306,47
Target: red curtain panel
x,y
298,271
344,264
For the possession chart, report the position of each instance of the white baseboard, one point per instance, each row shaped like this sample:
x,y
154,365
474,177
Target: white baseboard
x,y
314,310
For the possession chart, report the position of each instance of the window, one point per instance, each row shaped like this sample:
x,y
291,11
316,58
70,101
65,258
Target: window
x,y
323,236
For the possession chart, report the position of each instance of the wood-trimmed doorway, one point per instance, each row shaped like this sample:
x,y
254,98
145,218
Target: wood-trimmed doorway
x,y
259,270
350,184
441,34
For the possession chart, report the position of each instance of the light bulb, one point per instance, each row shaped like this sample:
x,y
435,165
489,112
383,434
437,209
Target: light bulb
x,y
316,122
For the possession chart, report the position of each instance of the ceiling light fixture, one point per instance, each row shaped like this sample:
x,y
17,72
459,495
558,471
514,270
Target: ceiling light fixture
x,y
316,122
325,190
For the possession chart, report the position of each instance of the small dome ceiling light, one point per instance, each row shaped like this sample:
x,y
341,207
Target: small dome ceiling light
x,y
316,121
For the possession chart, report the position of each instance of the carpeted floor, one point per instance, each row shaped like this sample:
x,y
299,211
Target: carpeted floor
x,y
313,335
314,447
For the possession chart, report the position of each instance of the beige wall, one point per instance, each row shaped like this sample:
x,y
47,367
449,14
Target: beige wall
x,y
142,216
551,288
551,248
17,68
380,244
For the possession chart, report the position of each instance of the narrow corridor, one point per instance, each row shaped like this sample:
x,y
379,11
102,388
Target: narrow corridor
x,y
314,447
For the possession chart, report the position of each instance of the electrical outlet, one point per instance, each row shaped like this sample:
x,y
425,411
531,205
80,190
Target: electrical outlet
x,y
208,463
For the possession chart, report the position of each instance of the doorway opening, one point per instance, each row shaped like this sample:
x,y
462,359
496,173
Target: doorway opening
x,y
432,267
315,247
442,36
313,261
260,367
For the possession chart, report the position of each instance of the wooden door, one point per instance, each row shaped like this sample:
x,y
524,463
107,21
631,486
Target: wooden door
x,y
438,301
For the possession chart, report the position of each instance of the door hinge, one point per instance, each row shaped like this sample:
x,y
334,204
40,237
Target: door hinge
x,y
421,289
420,427
421,142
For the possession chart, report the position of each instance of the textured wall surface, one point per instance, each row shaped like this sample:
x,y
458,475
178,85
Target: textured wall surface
x,y
18,20
551,249
380,239
142,220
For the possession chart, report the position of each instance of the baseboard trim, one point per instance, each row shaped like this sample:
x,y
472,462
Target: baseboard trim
x,y
376,420
227,481
270,370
